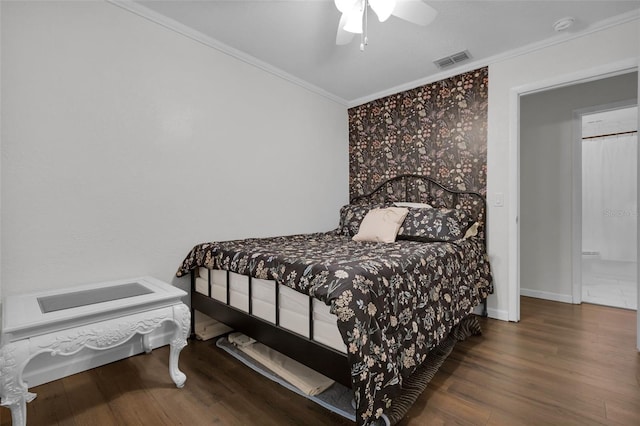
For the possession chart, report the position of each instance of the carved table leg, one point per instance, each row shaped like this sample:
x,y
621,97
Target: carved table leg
x,y
182,318
13,391
146,343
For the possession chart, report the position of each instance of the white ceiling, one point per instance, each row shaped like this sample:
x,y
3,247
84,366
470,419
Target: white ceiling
x,y
296,39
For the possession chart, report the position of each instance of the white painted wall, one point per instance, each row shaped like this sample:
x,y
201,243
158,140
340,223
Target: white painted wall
x,y
638,275
589,53
0,170
546,186
125,143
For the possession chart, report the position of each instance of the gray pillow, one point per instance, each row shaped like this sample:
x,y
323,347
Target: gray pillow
x,y
429,225
351,216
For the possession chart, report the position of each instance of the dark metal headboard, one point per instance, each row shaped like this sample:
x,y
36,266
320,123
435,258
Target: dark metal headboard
x,y
424,189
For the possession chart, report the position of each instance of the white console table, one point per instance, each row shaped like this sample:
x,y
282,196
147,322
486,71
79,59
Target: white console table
x,y
96,316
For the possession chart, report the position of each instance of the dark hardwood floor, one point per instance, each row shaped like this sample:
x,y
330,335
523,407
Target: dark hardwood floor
x,y
561,365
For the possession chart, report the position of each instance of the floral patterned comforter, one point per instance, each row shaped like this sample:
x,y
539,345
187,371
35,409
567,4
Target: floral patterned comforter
x,y
394,302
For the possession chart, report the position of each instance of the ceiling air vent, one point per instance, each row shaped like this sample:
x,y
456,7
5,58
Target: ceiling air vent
x,y
450,60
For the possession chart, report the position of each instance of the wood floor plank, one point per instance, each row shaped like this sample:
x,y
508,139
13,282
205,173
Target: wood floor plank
x,y
561,365
53,408
621,413
453,408
205,410
127,396
89,405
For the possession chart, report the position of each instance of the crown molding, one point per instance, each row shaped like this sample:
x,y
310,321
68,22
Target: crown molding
x,y
173,25
195,35
529,48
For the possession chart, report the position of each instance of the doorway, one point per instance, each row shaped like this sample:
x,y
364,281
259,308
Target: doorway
x,y
550,228
609,264
515,158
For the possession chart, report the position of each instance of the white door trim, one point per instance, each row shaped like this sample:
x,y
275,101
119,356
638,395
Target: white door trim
x,y
582,76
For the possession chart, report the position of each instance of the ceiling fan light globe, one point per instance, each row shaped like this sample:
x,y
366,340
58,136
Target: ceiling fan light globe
x,y
354,20
383,8
345,6
342,36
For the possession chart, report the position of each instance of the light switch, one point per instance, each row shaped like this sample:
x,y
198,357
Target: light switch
x,y
498,200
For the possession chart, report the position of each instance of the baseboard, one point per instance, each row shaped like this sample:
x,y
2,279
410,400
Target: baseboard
x,y
45,368
564,298
498,314
492,313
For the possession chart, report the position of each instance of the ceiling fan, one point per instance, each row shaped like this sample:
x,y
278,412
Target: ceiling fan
x,y
354,16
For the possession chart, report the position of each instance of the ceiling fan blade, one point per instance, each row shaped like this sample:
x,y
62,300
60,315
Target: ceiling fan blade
x,y
382,8
415,11
342,36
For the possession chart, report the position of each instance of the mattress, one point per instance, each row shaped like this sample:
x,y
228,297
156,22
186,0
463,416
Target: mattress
x,y
294,306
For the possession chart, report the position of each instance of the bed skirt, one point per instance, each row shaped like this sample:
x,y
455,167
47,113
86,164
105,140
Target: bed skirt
x,y
413,387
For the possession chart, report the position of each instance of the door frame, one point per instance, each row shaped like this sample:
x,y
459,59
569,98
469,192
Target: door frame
x,y
576,199
582,76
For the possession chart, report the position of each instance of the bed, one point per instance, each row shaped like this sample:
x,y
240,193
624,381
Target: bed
x,y
364,313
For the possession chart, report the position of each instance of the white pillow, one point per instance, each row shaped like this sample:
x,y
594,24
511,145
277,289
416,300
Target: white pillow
x,y
381,225
414,205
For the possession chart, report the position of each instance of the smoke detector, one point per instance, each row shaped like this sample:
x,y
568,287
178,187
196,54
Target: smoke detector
x,y
563,24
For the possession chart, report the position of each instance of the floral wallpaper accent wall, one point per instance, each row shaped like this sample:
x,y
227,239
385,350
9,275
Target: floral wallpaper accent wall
x,y
438,130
